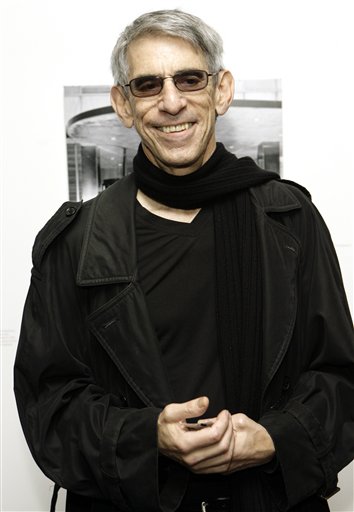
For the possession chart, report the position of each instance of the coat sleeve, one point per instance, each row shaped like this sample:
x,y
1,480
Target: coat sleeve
x,y
82,436
313,427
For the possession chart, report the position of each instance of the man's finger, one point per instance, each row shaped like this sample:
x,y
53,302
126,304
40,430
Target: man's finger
x,y
174,413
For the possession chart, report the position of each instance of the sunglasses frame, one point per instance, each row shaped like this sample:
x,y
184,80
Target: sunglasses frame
x,y
175,77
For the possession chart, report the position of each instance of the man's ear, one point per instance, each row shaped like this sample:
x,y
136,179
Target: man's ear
x,y
224,93
121,106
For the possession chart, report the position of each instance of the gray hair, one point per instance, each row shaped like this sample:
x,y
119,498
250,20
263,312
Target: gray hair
x,y
171,22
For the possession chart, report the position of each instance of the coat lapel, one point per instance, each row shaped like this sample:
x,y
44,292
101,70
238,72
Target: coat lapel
x,y
280,255
120,321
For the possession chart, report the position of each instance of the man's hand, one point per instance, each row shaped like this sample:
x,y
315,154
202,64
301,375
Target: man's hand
x,y
252,446
230,444
210,447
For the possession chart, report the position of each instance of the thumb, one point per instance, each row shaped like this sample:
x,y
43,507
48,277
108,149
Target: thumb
x,y
195,407
179,412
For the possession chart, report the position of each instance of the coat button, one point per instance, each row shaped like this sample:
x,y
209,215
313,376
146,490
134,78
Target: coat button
x,y
124,400
70,211
286,384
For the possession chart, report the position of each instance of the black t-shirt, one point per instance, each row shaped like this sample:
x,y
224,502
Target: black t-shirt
x,y
176,268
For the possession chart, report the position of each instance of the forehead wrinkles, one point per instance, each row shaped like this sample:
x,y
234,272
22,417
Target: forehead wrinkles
x,y
162,55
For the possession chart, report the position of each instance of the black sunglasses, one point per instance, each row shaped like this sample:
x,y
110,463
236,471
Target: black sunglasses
x,y
186,81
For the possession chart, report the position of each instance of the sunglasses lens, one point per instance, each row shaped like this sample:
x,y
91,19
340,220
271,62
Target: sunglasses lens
x,y
191,80
146,86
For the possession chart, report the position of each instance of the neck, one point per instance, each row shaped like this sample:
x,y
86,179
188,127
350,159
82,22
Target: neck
x,y
183,164
164,211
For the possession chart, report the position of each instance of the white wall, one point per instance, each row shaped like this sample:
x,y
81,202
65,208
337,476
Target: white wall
x,y
308,44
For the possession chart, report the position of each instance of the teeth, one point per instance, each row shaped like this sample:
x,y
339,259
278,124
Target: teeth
x,y
175,128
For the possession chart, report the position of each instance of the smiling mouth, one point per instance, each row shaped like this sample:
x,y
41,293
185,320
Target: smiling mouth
x,y
175,128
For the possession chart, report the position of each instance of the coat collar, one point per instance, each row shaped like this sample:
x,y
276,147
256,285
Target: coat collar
x,y
273,196
108,252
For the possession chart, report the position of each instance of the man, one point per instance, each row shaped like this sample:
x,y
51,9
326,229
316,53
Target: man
x,y
186,342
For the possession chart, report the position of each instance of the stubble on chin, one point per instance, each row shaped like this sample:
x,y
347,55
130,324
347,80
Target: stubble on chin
x,y
179,165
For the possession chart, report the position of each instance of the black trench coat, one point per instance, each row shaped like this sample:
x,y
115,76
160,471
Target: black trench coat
x,y
90,383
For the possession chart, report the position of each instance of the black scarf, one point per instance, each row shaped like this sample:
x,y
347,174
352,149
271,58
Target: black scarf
x,y
221,174
223,181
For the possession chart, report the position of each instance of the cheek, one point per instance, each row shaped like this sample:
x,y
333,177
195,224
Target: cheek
x,y
142,125
208,109
141,116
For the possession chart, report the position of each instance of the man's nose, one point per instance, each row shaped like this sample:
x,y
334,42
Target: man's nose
x,y
171,99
